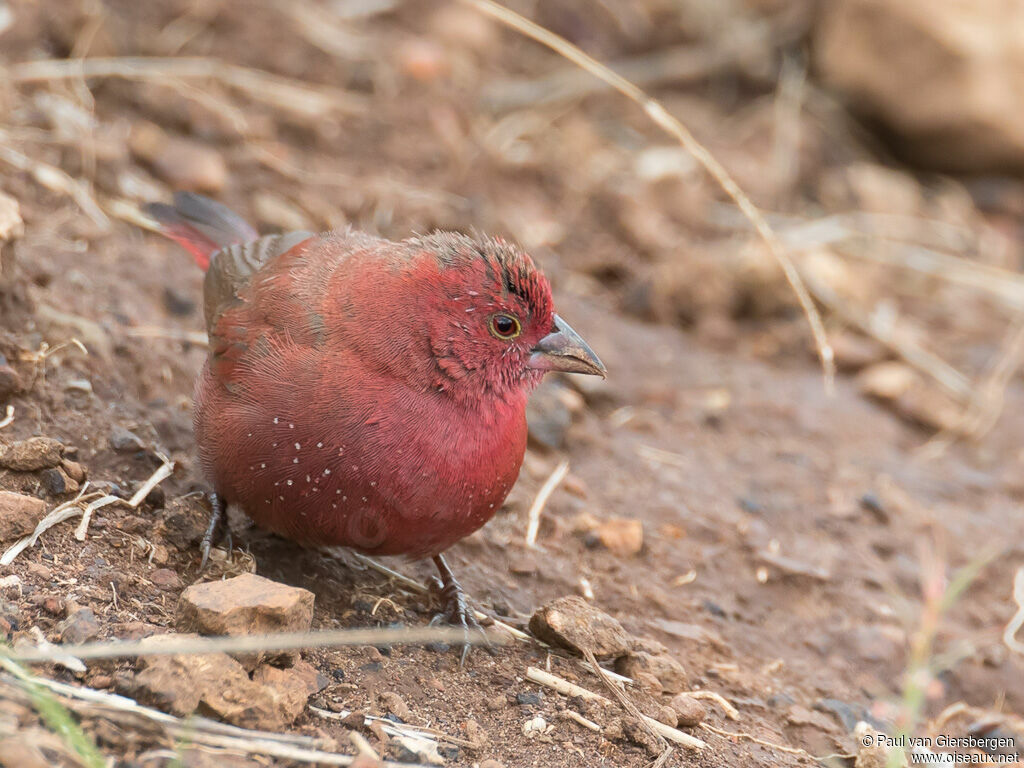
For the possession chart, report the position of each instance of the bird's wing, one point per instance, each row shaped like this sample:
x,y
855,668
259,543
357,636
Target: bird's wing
x,y
232,268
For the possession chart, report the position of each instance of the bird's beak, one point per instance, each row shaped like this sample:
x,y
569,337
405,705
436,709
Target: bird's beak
x,y
564,350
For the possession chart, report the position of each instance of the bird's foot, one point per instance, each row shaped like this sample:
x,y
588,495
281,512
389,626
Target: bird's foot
x,y
455,608
217,531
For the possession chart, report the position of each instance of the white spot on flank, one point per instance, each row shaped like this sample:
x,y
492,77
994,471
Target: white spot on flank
x,y
327,471
298,446
319,445
263,466
307,478
289,482
295,460
273,445
364,498
291,426
249,435
277,420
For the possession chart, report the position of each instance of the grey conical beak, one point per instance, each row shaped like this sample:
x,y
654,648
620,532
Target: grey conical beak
x,y
564,350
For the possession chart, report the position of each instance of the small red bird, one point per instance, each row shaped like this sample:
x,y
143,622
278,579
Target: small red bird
x,y
362,392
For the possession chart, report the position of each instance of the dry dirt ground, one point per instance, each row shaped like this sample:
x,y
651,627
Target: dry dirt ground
x,y
790,538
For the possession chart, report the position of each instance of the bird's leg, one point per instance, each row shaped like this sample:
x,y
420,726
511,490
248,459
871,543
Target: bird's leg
x,y
217,530
455,609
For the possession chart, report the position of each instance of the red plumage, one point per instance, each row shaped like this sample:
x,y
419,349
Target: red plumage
x,y
362,392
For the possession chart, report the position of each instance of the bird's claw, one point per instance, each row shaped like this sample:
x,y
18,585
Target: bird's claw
x,y
217,530
457,612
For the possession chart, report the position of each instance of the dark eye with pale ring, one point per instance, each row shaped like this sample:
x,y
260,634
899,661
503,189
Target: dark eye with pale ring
x,y
505,327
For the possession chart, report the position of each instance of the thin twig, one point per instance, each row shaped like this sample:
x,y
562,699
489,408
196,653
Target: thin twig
x,y
664,120
564,687
739,736
628,705
556,477
731,712
164,645
306,99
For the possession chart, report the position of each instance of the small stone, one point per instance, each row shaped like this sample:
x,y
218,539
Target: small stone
x,y
292,687
79,627
53,605
495,703
101,681
179,302
524,564
535,726
396,705
74,470
887,381
56,482
664,714
690,711
19,514
648,682
184,522
662,667
183,163
125,441
636,732
573,623
165,579
32,454
529,699
245,605
622,536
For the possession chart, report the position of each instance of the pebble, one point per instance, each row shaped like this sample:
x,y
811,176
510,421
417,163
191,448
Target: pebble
x,y
529,699
74,470
19,514
494,703
125,441
573,623
32,454
165,579
547,418
53,605
534,726
292,687
183,163
57,483
689,711
621,536
80,626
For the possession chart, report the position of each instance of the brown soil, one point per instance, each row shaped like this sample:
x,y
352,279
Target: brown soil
x,y
807,519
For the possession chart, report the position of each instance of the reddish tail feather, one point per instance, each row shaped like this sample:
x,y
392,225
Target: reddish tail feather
x,y
201,225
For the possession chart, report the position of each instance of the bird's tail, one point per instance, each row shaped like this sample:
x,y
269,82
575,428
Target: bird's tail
x,y
201,225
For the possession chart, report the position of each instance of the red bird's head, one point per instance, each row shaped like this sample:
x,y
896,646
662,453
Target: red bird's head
x,y
494,329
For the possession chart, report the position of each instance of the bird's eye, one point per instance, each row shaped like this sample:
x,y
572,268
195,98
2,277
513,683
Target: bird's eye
x,y
505,327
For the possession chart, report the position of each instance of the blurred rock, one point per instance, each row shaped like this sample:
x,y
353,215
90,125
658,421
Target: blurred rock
x,y
19,514
905,390
80,626
690,711
871,187
571,622
10,381
125,441
11,224
278,212
944,77
56,482
854,351
622,536
663,667
32,454
547,416
182,163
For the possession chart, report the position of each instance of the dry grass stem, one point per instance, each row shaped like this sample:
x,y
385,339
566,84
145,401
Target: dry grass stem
x,y
8,418
739,736
623,700
195,338
576,717
306,100
285,641
661,117
566,688
533,526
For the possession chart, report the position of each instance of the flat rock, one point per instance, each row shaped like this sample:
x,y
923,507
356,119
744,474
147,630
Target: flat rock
x,y
245,605
665,669
19,514
572,623
32,454
213,683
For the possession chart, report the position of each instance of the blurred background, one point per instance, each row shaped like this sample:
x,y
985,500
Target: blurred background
x,y
791,548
